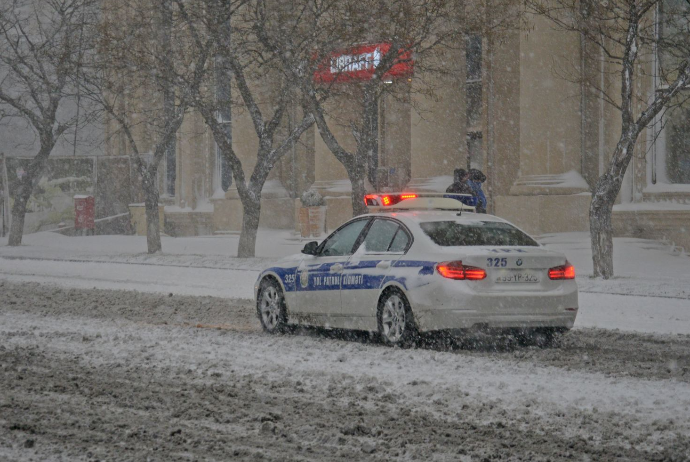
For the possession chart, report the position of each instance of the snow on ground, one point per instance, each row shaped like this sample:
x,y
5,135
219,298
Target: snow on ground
x,y
634,313
214,251
437,374
649,294
126,276
106,375
124,374
645,260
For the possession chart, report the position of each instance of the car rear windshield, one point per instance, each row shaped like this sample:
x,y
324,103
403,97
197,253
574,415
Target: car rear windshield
x,y
452,233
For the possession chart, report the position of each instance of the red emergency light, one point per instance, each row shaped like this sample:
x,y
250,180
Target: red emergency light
x,y
386,200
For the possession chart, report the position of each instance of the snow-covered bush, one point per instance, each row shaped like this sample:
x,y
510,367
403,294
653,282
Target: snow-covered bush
x,y
312,198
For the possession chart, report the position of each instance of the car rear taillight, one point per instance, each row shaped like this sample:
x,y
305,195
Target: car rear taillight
x,y
566,271
456,270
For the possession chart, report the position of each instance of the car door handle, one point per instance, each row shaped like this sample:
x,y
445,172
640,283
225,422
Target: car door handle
x,y
336,268
385,264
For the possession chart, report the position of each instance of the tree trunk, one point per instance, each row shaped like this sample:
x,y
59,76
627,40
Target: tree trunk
x,y
600,229
356,175
601,208
153,232
6,220
251,208
19,212
28,182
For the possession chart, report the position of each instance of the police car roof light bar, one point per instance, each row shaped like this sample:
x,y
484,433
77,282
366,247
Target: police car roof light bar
x,y
438,201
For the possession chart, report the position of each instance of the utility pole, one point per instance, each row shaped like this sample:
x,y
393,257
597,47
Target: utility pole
x,y
6,216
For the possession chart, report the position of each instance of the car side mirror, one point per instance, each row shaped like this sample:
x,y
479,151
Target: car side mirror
x,y
310,248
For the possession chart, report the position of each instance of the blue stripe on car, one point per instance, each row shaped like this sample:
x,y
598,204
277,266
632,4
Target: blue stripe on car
x,y
291,277
287,275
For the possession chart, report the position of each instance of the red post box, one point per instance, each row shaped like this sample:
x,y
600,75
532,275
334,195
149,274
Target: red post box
x,y
84,212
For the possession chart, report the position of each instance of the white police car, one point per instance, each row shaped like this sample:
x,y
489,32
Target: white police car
x,y
421,264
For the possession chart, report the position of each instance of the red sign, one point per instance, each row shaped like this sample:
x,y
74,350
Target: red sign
x,y
359,63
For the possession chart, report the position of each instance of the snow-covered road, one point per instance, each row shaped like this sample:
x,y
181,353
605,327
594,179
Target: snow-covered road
x,y
92,374
660,314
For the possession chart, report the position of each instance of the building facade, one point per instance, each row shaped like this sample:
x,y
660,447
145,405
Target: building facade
x,y
514,107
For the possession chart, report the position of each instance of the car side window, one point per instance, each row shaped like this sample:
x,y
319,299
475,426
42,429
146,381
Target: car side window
x,y
342,241
380,235
400,241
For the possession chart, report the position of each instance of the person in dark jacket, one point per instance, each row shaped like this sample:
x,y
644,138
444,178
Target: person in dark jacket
x,y
460,186
475,180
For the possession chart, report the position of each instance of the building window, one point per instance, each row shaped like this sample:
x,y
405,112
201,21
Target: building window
x,y
473,53
671,151
171,169
473,92
223,172
678,145
475,150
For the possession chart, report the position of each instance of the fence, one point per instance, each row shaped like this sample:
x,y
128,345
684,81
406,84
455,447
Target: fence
x,y
112,180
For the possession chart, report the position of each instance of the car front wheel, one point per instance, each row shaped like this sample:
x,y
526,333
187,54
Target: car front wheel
x,y
395,321
271,307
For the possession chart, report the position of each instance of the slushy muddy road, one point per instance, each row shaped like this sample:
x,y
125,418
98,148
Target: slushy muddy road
x,y
114,375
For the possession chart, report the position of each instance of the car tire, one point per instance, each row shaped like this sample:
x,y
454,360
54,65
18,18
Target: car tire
x,y
271,307
396,325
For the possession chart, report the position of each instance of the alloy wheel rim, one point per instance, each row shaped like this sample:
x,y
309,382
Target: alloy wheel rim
x,y
270,307
393,319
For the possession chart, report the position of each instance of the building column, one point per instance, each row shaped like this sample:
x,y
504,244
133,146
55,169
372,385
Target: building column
x,y
549,193
438,124
395,135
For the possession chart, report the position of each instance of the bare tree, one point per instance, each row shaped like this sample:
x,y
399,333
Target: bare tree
x,y
143,79
416,33
625,32
41,43
255,78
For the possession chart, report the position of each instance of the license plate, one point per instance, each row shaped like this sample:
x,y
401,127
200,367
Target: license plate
x,y
517,277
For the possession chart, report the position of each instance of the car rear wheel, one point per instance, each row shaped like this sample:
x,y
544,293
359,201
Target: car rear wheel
x,y
271,307
395,321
